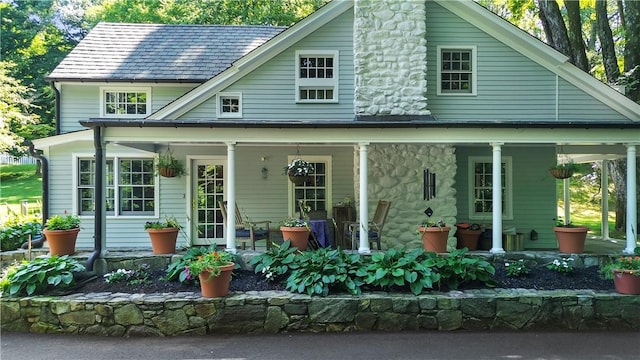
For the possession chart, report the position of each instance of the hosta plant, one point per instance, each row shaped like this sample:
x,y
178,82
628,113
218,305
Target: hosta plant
x,y
456,269
277,262
40,276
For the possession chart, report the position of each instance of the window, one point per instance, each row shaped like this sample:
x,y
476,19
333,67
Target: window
x,y
133,103
315,192
457,75
317,76
229,105
481,188
130,185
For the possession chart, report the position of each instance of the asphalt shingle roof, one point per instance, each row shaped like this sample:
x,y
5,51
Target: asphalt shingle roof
x,y
119,52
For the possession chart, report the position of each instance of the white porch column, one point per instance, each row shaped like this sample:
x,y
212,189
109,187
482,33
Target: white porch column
x,y
497,199
604,205
566,196
364,201
632,210
230,185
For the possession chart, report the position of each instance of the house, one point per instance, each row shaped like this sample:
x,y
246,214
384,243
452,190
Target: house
x,y
374,93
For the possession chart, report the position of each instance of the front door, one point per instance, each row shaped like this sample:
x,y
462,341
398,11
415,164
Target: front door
x,y
207,178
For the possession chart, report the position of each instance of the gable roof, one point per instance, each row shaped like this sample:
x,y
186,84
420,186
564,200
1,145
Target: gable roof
x,y
155,52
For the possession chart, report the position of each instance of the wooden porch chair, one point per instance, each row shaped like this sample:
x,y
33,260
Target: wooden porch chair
x,y
248,231
352,230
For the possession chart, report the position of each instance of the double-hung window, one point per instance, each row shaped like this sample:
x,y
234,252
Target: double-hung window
x,y
315,191
481,188
130,186
457,71
125,102
316,76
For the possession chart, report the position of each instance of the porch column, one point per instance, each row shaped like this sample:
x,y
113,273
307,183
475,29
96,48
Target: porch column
x,y
566,197
497,199
230,185
364,201
604,205
632,210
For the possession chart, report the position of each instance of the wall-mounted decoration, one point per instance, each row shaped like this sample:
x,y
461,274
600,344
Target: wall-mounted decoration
x,y
429,185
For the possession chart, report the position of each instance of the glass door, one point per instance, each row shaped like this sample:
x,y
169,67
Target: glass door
x,y
208,191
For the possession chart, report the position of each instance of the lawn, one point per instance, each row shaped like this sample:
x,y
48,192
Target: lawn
x,y
18,183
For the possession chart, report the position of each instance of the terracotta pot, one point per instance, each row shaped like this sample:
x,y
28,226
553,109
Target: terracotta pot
x,y
216,286
163,241
434,239
626,283
571,239
299,236
467,239
61,242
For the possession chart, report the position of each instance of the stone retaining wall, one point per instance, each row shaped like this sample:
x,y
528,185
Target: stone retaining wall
x,y
111,314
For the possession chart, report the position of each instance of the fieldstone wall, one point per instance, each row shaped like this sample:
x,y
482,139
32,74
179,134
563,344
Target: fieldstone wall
x,y
390,57
108,314
396,174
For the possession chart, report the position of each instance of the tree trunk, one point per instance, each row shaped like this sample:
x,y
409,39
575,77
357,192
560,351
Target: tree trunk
x,y
555,31
632,47
611,69
618,171
575,35
38,168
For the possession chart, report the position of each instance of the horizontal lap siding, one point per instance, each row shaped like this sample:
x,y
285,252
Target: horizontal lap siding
x,y
534,190
575,104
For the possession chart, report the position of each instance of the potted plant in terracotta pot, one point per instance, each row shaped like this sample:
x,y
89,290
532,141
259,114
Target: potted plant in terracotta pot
x,y
163,235
297,231
467,236
625,273
61,232
213,269
168,166
571,238
435,236
563,170
299,171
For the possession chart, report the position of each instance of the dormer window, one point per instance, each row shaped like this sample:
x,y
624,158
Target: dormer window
x,y
457,70
316,76
125,103
229,105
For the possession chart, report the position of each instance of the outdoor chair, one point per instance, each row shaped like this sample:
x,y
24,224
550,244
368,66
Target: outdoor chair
x,y
375,226
248,231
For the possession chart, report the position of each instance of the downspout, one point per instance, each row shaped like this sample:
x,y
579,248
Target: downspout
x,y
99,198
45,180
57,113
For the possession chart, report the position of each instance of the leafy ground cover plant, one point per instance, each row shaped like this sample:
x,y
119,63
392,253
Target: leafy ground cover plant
x,y
16,230
276,263
40,275
400,268
562,265
456,269
140,275
516,268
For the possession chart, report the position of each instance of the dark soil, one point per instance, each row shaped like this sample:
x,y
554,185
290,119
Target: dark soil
x,y
540,278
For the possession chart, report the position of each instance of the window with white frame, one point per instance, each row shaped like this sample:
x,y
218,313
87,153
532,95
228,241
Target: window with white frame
x,y
481,188
229,105
130,102
315,191
130,186
316,76
457,70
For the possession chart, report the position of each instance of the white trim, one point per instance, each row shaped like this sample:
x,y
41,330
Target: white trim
x,y
81,135
320,84
474,69
127,89
254,59
228,115
508,185
328,160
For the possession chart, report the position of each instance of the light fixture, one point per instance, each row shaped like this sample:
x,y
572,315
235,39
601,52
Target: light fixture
x,y
264,171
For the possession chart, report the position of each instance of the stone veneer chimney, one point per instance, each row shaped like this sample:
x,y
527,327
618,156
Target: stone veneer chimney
x,y
390,57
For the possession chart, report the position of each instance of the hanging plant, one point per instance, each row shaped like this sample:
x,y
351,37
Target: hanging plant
x,y
563,170
168,166
299,171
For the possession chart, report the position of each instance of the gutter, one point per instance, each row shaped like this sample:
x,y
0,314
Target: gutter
x,y
99,199
45,181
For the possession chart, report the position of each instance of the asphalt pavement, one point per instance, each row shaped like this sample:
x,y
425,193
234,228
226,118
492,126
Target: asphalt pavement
x,y
311,346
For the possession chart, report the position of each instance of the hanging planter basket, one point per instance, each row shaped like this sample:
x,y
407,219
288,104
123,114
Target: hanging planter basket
x,y
167,172
299,180
561,173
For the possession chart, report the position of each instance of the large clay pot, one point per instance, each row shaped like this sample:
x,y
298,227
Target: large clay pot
x,y
571,239
467,239
299,236
216,286
626,283
61,242
163,241
435,238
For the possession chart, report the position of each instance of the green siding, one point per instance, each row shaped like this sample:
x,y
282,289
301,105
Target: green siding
x,y
534,190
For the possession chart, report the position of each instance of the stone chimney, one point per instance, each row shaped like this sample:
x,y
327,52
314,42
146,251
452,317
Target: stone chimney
x,y
390,57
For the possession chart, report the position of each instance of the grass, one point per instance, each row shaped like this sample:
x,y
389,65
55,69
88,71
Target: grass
x,y
18,183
